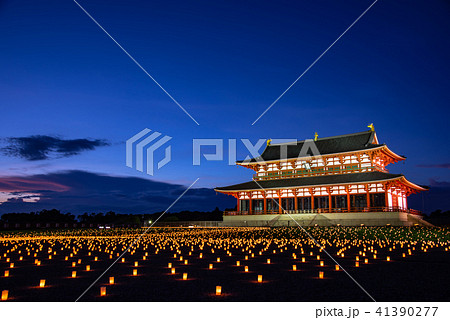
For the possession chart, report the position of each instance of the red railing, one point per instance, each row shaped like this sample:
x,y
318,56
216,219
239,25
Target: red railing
x,y
326,210
298,173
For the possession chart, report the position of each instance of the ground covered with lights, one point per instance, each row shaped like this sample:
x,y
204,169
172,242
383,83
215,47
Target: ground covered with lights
x,y
227,264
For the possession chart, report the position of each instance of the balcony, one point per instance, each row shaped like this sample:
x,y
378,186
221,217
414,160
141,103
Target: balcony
x,y
299,173
326,210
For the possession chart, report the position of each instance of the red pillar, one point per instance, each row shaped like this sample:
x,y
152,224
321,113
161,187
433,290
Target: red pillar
x,y
329,200
238,204
279,203
295,201
265,203
250,211
368,199
348,198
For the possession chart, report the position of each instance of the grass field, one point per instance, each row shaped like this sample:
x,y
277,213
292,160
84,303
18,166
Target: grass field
x,y
386,263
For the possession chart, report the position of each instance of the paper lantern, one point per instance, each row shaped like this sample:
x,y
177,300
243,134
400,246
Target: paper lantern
x,y
210,266
96,259
5,295
388,258
102,291
11,265
185,276
74,274
321,263
366,261
259,278
74,264
294,267
6,273
246,269
88,268
357,264
134,272
320,274
218,291
172,271
136,263
268,261
218,259
38,263
169,265
201,255
303,259
111,280
123,259
336,267
42,283
238,263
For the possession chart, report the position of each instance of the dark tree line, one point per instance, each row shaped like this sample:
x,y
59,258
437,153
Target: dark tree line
x,y
439,218
54,216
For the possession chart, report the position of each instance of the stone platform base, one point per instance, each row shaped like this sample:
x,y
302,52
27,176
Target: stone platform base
x,y
325,219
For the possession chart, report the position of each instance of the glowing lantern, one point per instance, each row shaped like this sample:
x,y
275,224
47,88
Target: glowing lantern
x,y
172,271
102,291
357,264
6,273
136,264
320,274
38,263
74,274
268,261
123,259
294,267
88,268
388,258
303,259
111,280
246,269
218,259
366,261
169,265
218,291
42,283
185,262
318,257
336,267
96,259
11,265
238,263
185,276
246,257
321,263
201,255
259,278
5,295
134,272
79,261
74,264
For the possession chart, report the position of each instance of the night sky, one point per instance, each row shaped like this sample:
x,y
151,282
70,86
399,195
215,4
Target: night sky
x,y
70,97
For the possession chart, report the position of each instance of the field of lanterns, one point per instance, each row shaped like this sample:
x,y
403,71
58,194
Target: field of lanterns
x,y
226,264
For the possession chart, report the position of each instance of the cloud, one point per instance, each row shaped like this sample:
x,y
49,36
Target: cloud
x,y
81,191
41,147
436,165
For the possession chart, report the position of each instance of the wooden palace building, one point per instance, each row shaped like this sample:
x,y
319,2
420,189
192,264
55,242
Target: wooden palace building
x,y
340,180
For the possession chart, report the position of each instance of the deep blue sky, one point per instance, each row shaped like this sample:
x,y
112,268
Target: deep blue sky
x,y
225,62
